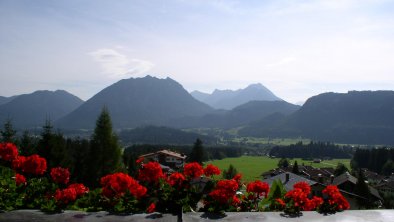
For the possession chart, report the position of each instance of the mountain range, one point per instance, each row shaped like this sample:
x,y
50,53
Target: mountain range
x,y
360,117
229,99
31,110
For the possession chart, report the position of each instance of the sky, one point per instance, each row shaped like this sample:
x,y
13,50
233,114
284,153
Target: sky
x,y
296,48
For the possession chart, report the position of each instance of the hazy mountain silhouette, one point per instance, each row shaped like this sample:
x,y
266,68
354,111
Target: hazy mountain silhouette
x,y
4,100
31,110
364,117
136,102
240,115
229,99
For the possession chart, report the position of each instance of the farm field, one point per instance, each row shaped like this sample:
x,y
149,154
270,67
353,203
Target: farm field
x,y
251,167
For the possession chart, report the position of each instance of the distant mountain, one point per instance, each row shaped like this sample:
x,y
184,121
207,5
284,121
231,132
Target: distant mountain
x,y
361,117
161,135
4,100
137,102
31,110
229,99
239,116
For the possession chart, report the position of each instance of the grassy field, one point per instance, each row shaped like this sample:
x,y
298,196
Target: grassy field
x,y
251,167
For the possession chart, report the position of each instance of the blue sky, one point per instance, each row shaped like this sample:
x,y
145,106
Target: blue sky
x,y
295,48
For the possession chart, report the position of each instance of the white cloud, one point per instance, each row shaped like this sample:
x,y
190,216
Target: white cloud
x,y
116,64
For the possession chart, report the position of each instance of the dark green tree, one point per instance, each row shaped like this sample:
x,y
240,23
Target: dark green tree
x,y
362,190
295,169
230,172
44,144
340,169
198,153
105,151
27,144
8,133
283,162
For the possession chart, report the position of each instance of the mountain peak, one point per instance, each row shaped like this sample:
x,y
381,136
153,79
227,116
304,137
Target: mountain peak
x,y
228,99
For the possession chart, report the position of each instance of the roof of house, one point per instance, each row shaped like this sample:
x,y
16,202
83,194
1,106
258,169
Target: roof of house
x,y
293,179
166,152
347,177
171,153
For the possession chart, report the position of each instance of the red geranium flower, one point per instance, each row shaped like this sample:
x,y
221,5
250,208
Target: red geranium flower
x,y
66,195
17,163
34,164
258,187
139,160
150,172
304,186
116,185
238,177
80,189
8,151
60,175
151,208
193,170
224,191
336,198
20,179
176,179
211,170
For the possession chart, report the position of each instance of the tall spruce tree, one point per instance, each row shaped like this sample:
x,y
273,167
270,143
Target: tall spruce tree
x,y
105,151
8,133
295,169
198,153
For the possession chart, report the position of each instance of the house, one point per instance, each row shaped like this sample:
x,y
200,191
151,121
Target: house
x,y
166,158
348,183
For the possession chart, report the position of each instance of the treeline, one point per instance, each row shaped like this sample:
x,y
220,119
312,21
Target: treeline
x,y
379,160
312,150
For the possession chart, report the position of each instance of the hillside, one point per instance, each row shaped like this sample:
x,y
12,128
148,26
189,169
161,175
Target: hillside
x,y
229,99
241,115
31,110
136,102
161,135
364,117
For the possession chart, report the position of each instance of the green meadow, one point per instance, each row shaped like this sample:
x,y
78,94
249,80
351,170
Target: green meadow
x,y
252,167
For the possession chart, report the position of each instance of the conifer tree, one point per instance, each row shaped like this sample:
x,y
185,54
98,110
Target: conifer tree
x,y
362,190
105,151
8,134
198,152
295,168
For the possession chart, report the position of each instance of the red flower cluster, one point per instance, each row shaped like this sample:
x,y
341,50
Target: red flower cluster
x,y
176,179
151,208
66,195
150,172
60,175
80,189
224,191
259,188
20,179
71,193
33,164
8,151
304,186
335,198
299,196
139,160
193,170
17,163
116,185
238,178
211,170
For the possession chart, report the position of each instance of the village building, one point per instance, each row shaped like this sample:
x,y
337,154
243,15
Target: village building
x,y
166,158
